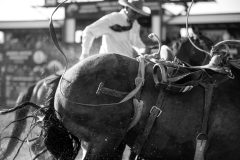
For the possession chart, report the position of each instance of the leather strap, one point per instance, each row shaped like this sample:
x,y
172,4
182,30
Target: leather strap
x,y
138,108
140,76
201,139
208,99
137,102
108,91
154,113
163,73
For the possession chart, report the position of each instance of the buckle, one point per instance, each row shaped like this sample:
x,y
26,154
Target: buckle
x,y
202,136
155,107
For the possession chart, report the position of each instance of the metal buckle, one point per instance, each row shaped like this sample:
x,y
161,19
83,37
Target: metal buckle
x,y
155,107
202,136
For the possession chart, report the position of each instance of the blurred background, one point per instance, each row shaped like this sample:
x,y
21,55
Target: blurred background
x,y
28,54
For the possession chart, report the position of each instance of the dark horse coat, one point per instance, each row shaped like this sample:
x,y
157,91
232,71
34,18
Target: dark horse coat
x,y
102,121
37,93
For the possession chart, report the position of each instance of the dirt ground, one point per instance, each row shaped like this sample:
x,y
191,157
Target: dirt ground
x,y
24,153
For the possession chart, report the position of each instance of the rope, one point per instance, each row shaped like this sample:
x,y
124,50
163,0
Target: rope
x,y
188,33
231,42
54,37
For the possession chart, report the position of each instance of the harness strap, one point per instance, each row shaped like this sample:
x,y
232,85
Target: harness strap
x,y
201,139
154,113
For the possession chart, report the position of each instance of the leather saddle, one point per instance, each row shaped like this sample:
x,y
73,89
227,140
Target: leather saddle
x,y
175,76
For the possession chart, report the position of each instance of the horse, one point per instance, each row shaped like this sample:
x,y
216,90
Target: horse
x,y
105,121
182,49
89,117
35,93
